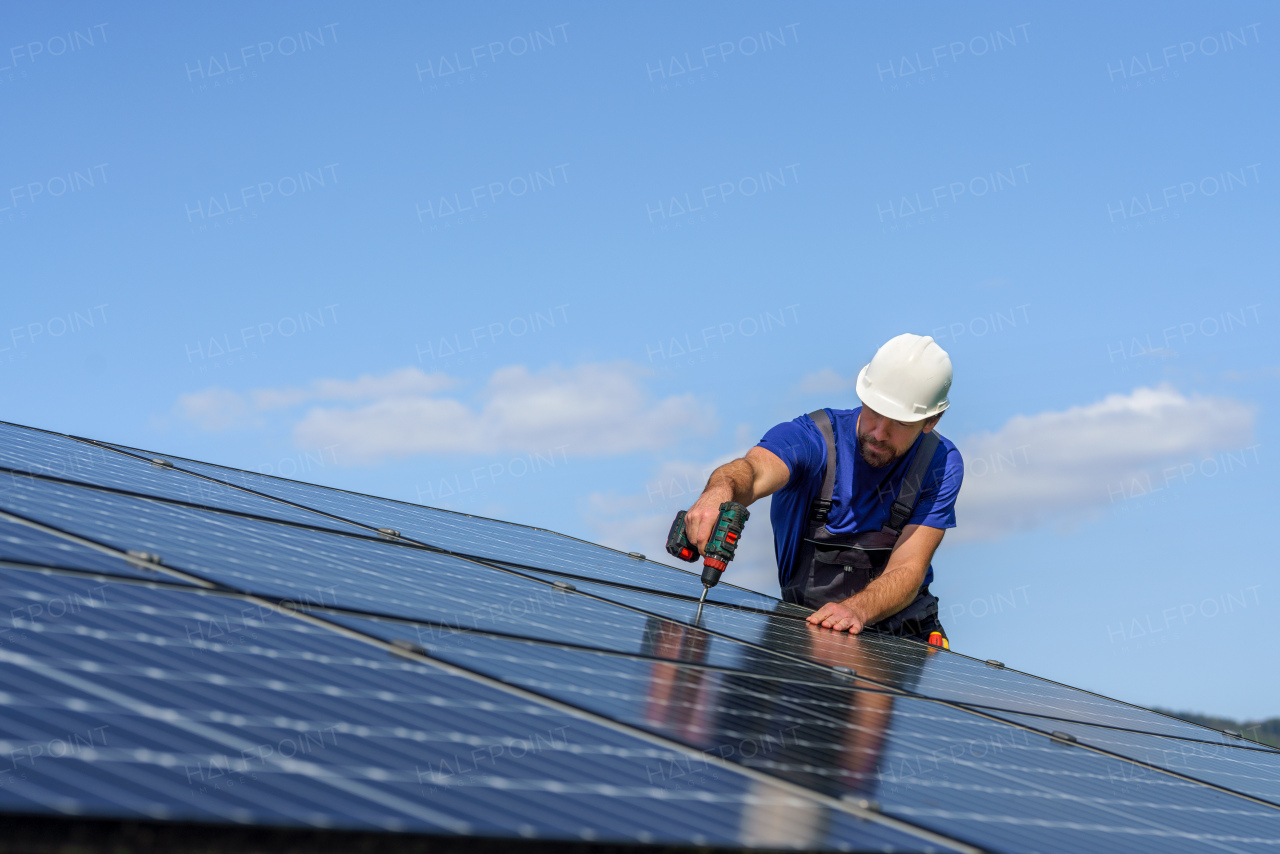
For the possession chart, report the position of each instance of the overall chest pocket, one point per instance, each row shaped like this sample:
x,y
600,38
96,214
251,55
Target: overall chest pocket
x,y
839,571
855,556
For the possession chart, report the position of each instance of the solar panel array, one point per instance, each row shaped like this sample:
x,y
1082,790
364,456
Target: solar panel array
x,y
182,642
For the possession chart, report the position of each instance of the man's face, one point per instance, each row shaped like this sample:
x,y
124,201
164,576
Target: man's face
x,y
882,440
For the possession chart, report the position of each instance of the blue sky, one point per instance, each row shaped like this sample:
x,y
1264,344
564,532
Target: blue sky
x,y
551,262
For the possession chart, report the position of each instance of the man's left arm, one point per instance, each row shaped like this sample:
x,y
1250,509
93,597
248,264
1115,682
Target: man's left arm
x,y
892,591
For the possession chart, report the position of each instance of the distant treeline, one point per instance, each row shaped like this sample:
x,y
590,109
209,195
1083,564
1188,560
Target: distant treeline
x,y
1266,732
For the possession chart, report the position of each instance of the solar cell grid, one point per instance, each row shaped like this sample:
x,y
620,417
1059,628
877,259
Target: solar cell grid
x,y
1235,766
659,639
27,545
30,452
475,535
1004,788
299,726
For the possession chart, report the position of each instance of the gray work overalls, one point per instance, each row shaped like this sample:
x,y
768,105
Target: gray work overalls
x,y
832,567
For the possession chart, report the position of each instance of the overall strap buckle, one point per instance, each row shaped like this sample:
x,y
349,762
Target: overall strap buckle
x,y
819,512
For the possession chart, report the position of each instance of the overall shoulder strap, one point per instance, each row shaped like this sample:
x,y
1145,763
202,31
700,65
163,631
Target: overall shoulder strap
x,y
909,490
822,504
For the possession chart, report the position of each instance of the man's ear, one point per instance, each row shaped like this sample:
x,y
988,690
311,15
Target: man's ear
x,y
929,423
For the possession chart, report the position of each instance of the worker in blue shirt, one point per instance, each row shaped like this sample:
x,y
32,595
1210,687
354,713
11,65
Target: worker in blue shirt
x,y
862,497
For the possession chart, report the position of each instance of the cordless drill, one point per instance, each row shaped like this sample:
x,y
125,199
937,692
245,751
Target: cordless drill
x,y
720,547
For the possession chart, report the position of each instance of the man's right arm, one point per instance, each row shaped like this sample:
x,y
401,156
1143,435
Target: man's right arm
x,y
746,480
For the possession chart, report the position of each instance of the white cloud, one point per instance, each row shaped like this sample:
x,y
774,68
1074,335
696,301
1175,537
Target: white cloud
x,y
397,427
825,381
406,381
1061,466
592,409
213,409
217,409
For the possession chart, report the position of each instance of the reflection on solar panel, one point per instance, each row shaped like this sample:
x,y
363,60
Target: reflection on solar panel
x,y
191,649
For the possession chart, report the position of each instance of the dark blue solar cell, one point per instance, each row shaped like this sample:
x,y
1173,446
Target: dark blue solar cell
x,y
1239,767
24,544
476,535
656,638
979,780
126,705
36,452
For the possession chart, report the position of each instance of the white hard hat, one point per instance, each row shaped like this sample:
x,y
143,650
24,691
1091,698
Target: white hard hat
x,y
907,379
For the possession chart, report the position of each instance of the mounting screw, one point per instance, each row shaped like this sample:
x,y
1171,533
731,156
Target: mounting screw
x,y
1233,733
864,803
159,462
389,533
406,648
846,672
145,557
563,585
635,555
993,663
1065,737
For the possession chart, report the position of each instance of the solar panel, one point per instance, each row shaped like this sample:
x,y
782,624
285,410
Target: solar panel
x,y
476,535
25,453
1253,770
23,544
319,568
748,728
118,707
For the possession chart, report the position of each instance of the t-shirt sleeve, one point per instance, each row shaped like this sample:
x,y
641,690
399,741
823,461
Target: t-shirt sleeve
x,y
937,504
798,444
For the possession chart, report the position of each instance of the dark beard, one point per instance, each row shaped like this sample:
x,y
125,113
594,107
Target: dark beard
x,y
879,461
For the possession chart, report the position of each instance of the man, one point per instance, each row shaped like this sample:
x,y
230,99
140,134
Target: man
x,y
855,537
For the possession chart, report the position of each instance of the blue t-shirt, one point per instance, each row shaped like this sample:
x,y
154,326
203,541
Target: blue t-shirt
x,y
863,495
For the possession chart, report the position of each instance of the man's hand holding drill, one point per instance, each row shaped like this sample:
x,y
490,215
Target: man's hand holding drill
x,y
700,521
745,481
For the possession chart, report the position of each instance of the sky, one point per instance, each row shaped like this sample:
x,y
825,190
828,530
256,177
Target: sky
x,y
553,262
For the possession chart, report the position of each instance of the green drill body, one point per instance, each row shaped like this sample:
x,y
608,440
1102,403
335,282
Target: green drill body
x,y
721,545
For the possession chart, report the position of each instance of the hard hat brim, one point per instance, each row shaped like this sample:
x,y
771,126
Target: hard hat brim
x,y
888,407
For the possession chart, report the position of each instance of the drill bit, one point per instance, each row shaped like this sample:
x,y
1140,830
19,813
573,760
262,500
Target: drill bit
x,y
702,600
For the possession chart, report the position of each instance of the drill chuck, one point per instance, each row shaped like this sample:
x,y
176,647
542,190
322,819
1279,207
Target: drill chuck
x,y
711,574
